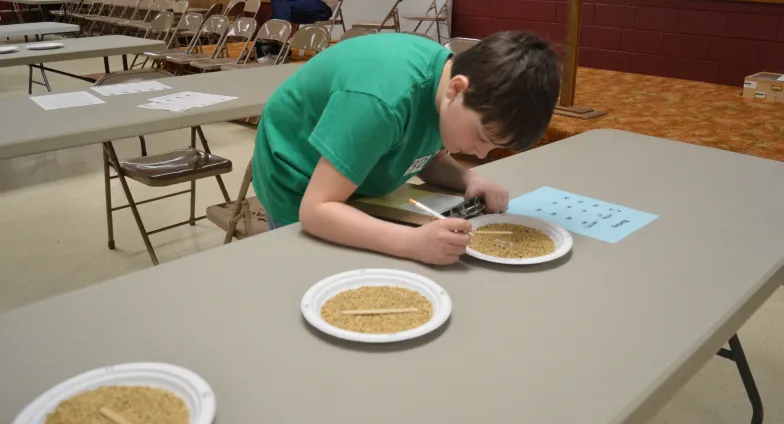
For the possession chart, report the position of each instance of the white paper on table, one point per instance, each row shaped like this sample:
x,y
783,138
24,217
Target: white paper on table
x,y
161,106
66,100
133,87
781,78
192,99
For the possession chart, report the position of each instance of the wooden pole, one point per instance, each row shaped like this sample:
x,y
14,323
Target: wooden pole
x,y
566,104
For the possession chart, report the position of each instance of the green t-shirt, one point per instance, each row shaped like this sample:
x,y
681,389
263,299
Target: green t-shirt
x,y
366,104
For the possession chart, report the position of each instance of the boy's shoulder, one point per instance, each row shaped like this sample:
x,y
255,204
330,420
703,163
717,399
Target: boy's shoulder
x,y
387,65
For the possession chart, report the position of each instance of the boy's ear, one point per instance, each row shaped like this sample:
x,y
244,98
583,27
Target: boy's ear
x,y
457,85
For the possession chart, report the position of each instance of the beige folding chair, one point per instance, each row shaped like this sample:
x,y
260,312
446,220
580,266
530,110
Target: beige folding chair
x,y
337,15
159,170
241,30
105,11
189,21
139,15
274,30
67,11
306,43
214,27
242,218
357,32
180,7
136,28
459,44
215,9
435,16
130,10
160,28
393,15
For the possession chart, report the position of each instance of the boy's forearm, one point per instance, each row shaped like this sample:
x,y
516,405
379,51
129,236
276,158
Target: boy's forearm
x,y
445,172
342,224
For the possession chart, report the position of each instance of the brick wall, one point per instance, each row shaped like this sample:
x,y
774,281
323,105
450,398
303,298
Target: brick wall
x,y
718,41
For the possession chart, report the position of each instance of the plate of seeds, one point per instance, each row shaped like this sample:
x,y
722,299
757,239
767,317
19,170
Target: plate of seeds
x,y
376,305
127,393
517,239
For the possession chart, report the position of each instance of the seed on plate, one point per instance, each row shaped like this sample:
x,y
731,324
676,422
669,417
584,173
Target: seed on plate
x,y
377,297
137,404
524,242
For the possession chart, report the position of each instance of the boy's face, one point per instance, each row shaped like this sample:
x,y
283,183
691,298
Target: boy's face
x,y
462,130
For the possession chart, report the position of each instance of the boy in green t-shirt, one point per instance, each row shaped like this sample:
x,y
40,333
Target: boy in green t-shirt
x,y
366,115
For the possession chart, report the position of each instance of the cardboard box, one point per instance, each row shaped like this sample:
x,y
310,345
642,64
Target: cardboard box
x,y
768,86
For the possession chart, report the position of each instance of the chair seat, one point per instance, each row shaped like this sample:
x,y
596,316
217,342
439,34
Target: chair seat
x,y
186,59
424,18
175,167
221,214
213,64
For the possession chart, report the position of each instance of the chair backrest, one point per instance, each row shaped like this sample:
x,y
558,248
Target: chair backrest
x,y
275,30
142,10
242,27
357,32
162,24
459,44
180,6
190,21
309,41
135,75
252,7
215,25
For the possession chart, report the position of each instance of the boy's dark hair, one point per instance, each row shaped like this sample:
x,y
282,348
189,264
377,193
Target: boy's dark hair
x,y
514,80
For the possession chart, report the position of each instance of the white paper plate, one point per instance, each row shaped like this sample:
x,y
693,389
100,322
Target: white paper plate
x,y
186,384
44,46
561,237
8,49
325,289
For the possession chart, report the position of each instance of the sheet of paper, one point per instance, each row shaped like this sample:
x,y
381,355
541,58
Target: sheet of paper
x,y
161,106
66,100
134,87
583,215
398,199
185,100
781,78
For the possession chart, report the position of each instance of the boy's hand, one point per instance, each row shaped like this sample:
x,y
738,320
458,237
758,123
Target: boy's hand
x,y
438,243
496,197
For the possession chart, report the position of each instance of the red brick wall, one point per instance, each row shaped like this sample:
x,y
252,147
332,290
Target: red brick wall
x,y
718,41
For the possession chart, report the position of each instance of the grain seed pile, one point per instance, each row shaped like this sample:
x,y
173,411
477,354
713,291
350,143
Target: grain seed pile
x,y
524,242
377,297
137,404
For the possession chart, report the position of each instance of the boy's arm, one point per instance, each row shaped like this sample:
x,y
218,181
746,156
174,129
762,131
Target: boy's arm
x,y
445,172
325,214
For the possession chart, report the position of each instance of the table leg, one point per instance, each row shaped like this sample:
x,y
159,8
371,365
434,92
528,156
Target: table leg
x,y
735,354
125,62
106,64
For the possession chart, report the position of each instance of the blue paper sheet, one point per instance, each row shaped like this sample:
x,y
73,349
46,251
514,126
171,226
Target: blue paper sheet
x,y
582,215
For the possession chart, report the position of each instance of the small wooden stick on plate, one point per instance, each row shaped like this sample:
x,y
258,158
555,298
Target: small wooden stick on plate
x,y
492,232
115,417
379,311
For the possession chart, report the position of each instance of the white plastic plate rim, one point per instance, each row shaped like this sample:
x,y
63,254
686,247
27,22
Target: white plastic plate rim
x,y
187,385
561,237
8,49
319,293
44,46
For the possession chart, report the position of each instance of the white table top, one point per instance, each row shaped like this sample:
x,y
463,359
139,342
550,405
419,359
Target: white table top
x,y
605,335
81,48
36,28
120,117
